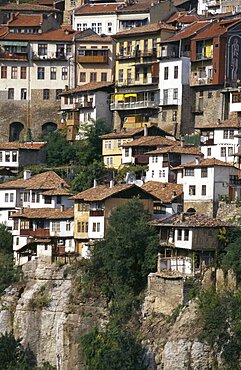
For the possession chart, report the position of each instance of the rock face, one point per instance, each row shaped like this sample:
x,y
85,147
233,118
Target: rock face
x,y
41,312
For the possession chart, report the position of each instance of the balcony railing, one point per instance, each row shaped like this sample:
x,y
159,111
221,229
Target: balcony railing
x,y
134,105
14,56
54,55
35,233
170,101
201,80
202,56
84,104
130,54
101,59
140,81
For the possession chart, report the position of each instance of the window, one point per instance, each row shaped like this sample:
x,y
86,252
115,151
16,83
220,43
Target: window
x,y
53,73
40,73
186,235
78,227
189,171
210,94
175,71
4,72
230,151
1,156
6,197
47,199
82,77
67,226
79,27
204,190
93,26
15,225
23,94
72,3
23,73
154,159
57,94
121,75
162,173
10,93
145,45
174,116
56,226
152,173
179,234
42,49
223,151
175,94
129,75
109,161
59,199
231,134
104,76
7,157
93,76
166,73
14,156
159,209
14,72
109,27
126,152
26,196
164,115
45,94
11,197
209,152
107,144
192,190
225,134
64,73
17,240
96,227
99,28
204,172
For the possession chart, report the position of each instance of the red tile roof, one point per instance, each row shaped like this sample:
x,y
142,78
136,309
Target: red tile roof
x,y
28,7
149,28
184,17
45,213
97,9
191,221
27,145
177,149
166,192
189,31
137,7
123,134
149,141
229,123
209,162
26,20
91,86
61,34
216,29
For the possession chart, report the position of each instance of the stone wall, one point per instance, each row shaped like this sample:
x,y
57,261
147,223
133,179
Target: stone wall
x,y
206,208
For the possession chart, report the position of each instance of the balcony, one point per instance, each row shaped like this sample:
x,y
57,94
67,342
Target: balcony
x,y
206,141
84,104
170,101
35,233
200,80
204,56
50,56
14,56
97,213
98,59
140,81
134,105
141,159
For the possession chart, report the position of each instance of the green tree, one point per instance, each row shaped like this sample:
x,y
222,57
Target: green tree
x,y
85,178
59,150
6,240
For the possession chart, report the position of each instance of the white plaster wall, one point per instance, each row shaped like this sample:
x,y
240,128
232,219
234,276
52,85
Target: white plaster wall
x,y
186,244
63,232
104,19
154,168
8,204
4,163
96,235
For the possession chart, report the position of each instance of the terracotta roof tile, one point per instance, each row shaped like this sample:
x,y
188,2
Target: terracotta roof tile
x,y
191,220
177,149
229,123
46,213
26,20
183,17
27,145
88,87
188,31
149,141
57,191
101,192
137,7
149,28
48,3
27,7
166,192
96,38
123,134
43,181
208,162
97,8
55,35
216,29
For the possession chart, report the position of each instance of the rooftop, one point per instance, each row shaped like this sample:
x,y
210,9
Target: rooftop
x,y
26,20
229,123
188,31
166,192
177,149
63,34
149,141
27,145
209,162
31,6
122,134
216,29
183,17
97,9
45,213
190,220
43,181
91,86
149,28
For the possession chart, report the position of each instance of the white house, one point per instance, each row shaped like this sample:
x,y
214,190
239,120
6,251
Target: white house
x,y
40,191
188,242
42,233
205,182
220,140
162,160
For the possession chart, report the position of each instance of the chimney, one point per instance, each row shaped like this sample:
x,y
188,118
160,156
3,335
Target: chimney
x,y
145,130
182,141
182,216
111,183
95,183
218,121
62,208
26,174
197,160
17,2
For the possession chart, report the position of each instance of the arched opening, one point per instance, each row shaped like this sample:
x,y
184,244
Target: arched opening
x,y
15,130
48,127
191,210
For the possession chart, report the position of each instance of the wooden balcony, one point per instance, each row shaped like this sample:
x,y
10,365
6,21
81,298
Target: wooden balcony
x,y
97,212
83,104
141,159
14,56
98,59
35,233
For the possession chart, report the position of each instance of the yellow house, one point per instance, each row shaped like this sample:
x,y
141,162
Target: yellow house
x,y
93,207
137,74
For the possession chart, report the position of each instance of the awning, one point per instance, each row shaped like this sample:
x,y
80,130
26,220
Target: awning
x,y
14,43
130,95
120,97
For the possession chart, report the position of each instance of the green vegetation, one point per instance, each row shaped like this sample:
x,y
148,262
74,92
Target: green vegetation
x,y
118,269
40,300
